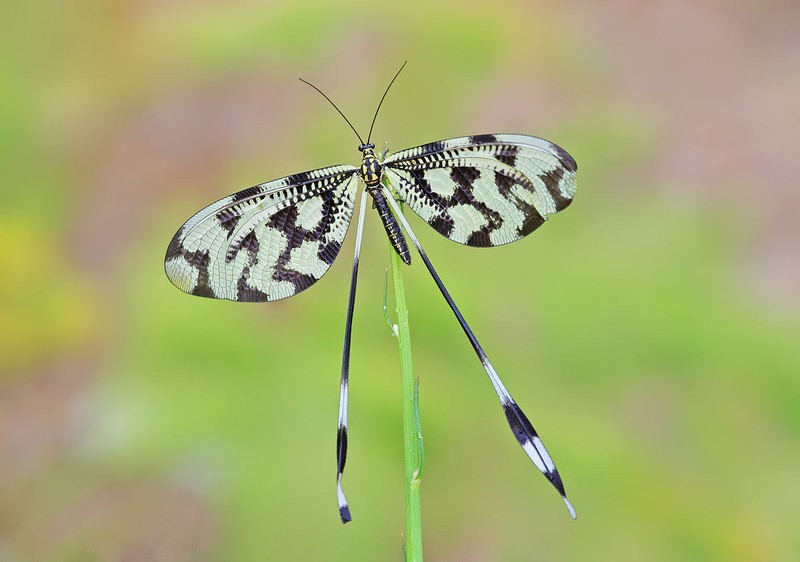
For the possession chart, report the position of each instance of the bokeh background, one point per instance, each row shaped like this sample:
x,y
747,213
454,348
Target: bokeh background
x,y
651,331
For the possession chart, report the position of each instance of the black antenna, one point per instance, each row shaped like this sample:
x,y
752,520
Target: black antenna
x,y
380,102
336,108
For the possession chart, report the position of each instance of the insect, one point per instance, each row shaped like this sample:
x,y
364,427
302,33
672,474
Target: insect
x,y
275,239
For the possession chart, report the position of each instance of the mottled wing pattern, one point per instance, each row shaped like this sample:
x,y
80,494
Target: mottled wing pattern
x,y
484,190
267,242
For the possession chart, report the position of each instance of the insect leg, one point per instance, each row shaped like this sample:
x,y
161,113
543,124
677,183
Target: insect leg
x,y
341,434
520,425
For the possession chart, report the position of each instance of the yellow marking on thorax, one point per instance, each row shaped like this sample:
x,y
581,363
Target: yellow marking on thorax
x,y
371,169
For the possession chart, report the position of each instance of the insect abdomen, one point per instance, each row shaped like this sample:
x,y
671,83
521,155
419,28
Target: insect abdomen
x,y
390,224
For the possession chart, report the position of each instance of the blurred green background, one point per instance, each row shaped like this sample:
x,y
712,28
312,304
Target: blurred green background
x,y
650,331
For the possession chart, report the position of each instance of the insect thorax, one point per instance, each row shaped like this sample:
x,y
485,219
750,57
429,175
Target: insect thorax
x,y
371,170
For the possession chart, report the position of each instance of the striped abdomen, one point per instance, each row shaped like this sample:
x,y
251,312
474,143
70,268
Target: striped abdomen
x,y
390,224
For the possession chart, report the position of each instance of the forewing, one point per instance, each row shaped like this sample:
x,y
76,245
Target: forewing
x,y
484,190
267,242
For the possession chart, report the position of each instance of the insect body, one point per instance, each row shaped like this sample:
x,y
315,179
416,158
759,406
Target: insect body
x,y
371,173
275,239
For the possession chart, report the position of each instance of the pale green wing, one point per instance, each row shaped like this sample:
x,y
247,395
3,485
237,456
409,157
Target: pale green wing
x,y
267,242
484,190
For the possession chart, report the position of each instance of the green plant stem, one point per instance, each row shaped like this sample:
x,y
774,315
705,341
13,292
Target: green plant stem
x,y
412,436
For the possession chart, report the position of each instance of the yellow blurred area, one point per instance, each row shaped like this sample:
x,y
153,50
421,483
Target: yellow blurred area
x,y
47,306
650,331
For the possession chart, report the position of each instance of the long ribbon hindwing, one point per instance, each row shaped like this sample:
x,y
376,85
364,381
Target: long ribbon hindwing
x,y
484,190
267,242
